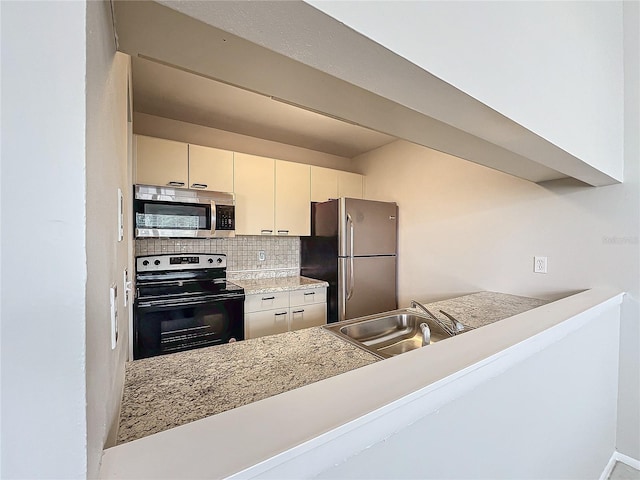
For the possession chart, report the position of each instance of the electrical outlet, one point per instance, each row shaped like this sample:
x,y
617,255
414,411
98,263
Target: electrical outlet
x,y
539,264
262,256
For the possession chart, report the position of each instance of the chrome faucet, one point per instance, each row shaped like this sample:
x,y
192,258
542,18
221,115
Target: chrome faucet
x,y
455,328
426,334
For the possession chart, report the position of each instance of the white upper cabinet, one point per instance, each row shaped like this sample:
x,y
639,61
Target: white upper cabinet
x,y
176,164
327,183
293,201
324,184
210,169
350,185
161,162
272,196
254,179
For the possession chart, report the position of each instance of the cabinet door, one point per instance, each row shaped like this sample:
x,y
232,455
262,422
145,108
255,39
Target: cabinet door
x,y
308,316
210,169
324,184
292,207
269,322
350,185
161,162
254,189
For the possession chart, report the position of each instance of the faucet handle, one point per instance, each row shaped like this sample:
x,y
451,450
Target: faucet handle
x,y
426,334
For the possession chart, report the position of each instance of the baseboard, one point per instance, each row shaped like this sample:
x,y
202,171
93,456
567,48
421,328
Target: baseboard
x,y
619,457
632,462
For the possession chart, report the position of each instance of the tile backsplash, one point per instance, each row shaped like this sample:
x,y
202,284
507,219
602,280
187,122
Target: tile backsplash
x,y
282,254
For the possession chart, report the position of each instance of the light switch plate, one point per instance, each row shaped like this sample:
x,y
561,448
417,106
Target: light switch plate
x,y
120,215
113,304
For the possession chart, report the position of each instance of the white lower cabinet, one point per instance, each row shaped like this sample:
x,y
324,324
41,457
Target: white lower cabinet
x,y
272,313
268,322
306,316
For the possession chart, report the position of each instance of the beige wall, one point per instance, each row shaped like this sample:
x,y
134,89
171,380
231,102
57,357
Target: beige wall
x,y
107,170
464,227
161,127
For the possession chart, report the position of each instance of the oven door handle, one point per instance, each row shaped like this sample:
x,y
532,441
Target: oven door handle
x,y
191,302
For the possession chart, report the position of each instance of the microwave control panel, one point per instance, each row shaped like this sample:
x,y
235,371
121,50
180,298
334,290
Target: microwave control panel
x,y
225,217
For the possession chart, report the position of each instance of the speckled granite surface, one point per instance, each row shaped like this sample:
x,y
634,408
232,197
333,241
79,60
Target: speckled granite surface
x,y
482,308
163,392
270,285
170,390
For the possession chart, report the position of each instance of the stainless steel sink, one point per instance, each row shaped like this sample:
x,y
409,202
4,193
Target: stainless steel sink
x,y
388,334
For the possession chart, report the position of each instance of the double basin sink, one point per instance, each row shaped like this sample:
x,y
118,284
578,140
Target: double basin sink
x,y
391,333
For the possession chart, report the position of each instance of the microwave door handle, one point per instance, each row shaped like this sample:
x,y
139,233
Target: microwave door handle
x,y
213,217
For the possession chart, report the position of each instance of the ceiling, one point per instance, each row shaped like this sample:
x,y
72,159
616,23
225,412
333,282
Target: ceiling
x,y
169,92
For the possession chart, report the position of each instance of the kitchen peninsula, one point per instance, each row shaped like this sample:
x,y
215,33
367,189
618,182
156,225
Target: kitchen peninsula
x,y
167,391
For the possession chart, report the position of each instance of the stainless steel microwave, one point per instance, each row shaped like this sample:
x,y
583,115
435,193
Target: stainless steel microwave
x,y
164,212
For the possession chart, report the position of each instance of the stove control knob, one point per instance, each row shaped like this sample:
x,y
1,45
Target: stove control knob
x,y
156,262
211,260
145,262
219,260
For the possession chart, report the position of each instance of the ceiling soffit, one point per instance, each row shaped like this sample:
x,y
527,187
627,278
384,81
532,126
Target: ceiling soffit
x,y
155,31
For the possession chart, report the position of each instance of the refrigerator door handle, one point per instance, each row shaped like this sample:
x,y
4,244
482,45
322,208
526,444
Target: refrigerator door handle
x,y
351,279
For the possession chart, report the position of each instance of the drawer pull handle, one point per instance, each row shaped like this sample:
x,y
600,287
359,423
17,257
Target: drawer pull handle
x,y
285,232
175,184
268,298
199,185
280,313
298,311
266,232
310,293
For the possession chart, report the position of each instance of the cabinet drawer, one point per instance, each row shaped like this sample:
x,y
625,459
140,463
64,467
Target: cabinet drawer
x,y
266,301
308,296
306,316
271,322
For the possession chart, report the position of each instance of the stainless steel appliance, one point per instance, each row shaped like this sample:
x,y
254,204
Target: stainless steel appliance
x,y
183,301
353,247
179,212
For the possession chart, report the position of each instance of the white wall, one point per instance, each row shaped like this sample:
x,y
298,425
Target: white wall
x,y
154,126
553,67
107,170
43,240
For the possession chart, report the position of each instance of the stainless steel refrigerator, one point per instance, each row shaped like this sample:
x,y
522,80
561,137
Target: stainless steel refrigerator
x,y
353,246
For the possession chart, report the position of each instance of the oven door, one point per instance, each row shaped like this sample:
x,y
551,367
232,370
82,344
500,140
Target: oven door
x,y
167,326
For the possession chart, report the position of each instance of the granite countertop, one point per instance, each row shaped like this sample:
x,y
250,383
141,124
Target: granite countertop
x,y
482,308
170,390
278,284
